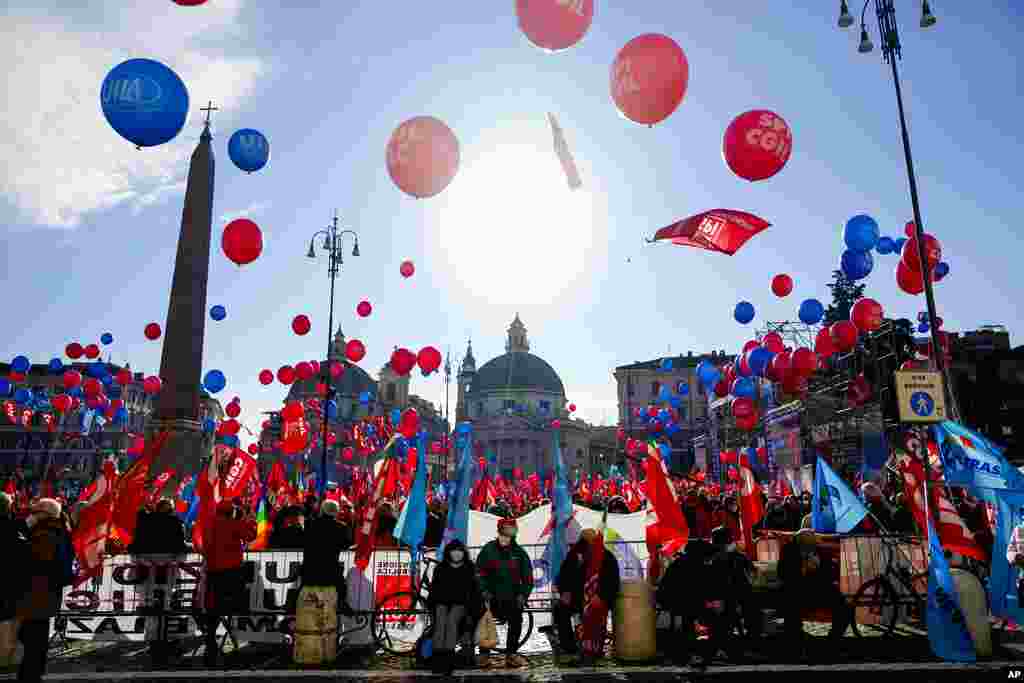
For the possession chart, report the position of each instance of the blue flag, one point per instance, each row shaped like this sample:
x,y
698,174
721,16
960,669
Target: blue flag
x,y
412,522
947,628
561,510
972,461
836,510
458,501
1005,575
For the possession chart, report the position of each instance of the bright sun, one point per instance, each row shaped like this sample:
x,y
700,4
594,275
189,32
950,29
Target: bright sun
x,y
512,230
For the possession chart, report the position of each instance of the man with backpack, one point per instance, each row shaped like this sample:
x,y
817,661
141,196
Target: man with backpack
x,y
50,567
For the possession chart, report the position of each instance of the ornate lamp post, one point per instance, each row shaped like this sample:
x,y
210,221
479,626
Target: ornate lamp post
x,y
885,12
332,244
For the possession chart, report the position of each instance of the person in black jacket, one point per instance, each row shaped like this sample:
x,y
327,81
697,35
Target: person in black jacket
x,y
456,600
326,538
435,526
569,587
288,531
166,531
683,591
808,580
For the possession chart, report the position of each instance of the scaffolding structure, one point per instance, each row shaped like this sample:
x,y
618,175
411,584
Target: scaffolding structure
x,y
794,334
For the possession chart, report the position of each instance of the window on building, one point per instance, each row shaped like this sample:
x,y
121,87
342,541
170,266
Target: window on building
x,y
629,386
655,388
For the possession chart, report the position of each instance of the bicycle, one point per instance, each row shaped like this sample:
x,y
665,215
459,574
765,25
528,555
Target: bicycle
x,y
407,607
897,590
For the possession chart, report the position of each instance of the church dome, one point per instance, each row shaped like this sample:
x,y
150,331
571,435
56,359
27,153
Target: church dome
x,y
517,370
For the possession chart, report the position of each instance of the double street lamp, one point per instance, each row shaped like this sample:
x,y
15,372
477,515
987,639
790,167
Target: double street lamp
x,y
889,36
332,244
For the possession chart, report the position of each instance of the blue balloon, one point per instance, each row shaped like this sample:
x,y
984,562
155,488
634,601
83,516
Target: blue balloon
x,y
364,398
76,391
675,402
861,233
899,245
886,245
857,265
396,416
22,396
218,312
121,415
666,450
5,387
666,364
465,428
811,312
56,366
744,312
249,149
664,394
922,316
145,102
743,387
107,380
683,388
332,409
97,369
941,270
106,339
230,440
20,364
214,381
923,327
209,425
664,415
758,359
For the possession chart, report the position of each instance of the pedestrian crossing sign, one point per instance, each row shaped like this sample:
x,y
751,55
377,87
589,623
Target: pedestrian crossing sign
x,y
920,396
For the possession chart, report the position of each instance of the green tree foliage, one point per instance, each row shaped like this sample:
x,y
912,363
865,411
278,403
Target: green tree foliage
x,y
844,293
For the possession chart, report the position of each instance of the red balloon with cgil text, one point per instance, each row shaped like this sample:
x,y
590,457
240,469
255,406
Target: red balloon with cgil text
x,y
242,241
555,24
649,78
422,156
757,144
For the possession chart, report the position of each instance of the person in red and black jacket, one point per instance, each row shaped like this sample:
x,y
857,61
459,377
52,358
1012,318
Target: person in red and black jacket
x,y
224,582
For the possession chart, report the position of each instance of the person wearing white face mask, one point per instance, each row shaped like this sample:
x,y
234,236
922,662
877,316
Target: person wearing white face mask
x,y
456,600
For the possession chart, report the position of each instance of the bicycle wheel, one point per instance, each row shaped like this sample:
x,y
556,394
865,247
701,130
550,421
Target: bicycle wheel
x,y
875,604
398,622
527,628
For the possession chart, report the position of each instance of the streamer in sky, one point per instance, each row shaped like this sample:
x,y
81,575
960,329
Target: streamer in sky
x,y
572,175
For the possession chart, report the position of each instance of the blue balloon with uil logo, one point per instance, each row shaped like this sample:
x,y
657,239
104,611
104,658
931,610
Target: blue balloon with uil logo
x,y
145,102
248,149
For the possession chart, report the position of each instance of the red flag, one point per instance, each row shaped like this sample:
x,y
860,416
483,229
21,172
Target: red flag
x,y
240,472
667,532
89,538
130,491
956,537
384,486
160,482
722,230
751,504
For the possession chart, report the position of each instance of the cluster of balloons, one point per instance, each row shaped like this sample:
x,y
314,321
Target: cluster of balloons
x,y
403,360
923,326
861,237
909,271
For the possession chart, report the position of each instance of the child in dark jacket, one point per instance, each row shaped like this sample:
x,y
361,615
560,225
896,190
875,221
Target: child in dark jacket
x,y
456,600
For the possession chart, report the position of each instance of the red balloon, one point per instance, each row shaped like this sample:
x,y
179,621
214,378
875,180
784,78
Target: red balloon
x,y
722,388
932,253
321,389
773,342
908,280
795,384
867,315
780,365
407,269
354,350
266,377
572,407
92,351
910,229
347,453
844,335
750,346
337,369
555,24
123,377
152,331
649,78
823,345
152,385
303,371
233,410
92,387
422,156
743,408
189,3
61,402
782,285
804,362
652,411
242,241
748,424
403,361
253,449
230,427
315,364
429,359
364,309
409,423
757,145
301,325
73,350
558,423
729,373
72,378
285,374
292,411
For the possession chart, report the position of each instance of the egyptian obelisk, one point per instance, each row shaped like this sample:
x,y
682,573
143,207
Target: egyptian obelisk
x,y
177,406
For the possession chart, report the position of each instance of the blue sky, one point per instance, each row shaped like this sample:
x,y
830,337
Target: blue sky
x,y
91,224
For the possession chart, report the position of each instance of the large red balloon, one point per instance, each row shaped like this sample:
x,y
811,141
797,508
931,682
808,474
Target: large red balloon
x,y
743,408
804,362
242,241
266,377
92,387
152,331
844,335
301,325
285,374
773,342
649,78
867,315
422,156
355,350
72,378
932,253
403,361
409,423
429,359
74,350
823,345
555,24
779,366
782,285
757,144
61,402
908,280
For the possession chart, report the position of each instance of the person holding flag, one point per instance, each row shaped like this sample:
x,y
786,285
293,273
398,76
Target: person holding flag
x,y
588,583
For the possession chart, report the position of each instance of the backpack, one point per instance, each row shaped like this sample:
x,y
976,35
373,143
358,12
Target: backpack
x,y
64,574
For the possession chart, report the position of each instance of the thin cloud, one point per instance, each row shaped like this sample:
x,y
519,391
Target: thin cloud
x,y
254,209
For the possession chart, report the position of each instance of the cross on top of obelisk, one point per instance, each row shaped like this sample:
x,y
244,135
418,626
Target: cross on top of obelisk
x,y
209,108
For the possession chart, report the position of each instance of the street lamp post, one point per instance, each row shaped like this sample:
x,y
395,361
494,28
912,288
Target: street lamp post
x,y
332,245
891,52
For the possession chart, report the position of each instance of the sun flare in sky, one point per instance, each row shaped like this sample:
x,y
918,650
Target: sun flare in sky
x,y
511,230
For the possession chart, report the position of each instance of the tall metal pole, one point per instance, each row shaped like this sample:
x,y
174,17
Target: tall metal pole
x,y
332,271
